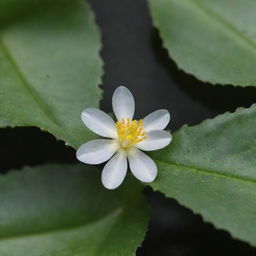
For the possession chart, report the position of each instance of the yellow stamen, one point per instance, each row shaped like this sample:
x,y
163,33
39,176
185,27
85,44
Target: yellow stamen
x,y
130,132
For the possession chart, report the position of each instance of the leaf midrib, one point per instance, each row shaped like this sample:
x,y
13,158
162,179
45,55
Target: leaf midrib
x,y
34,95
208,172
220,20
112,213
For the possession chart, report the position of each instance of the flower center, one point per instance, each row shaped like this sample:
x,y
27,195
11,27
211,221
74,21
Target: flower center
x,y
130,132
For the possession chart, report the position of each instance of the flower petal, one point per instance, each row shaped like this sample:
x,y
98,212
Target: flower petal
x,y
99,122
123,103
157,120
114,171
142,166
96,151
155,140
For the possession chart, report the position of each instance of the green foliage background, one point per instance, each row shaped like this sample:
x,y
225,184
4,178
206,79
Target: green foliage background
x,y
51,70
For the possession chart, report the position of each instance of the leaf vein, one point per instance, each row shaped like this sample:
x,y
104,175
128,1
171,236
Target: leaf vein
x,y
211,172
217,18
111,214
34,95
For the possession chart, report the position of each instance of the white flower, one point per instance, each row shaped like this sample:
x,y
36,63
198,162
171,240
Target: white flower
x,y
126,140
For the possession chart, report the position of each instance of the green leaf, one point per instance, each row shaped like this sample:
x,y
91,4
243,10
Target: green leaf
x,y
50,66
64,210
215,40
211,168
